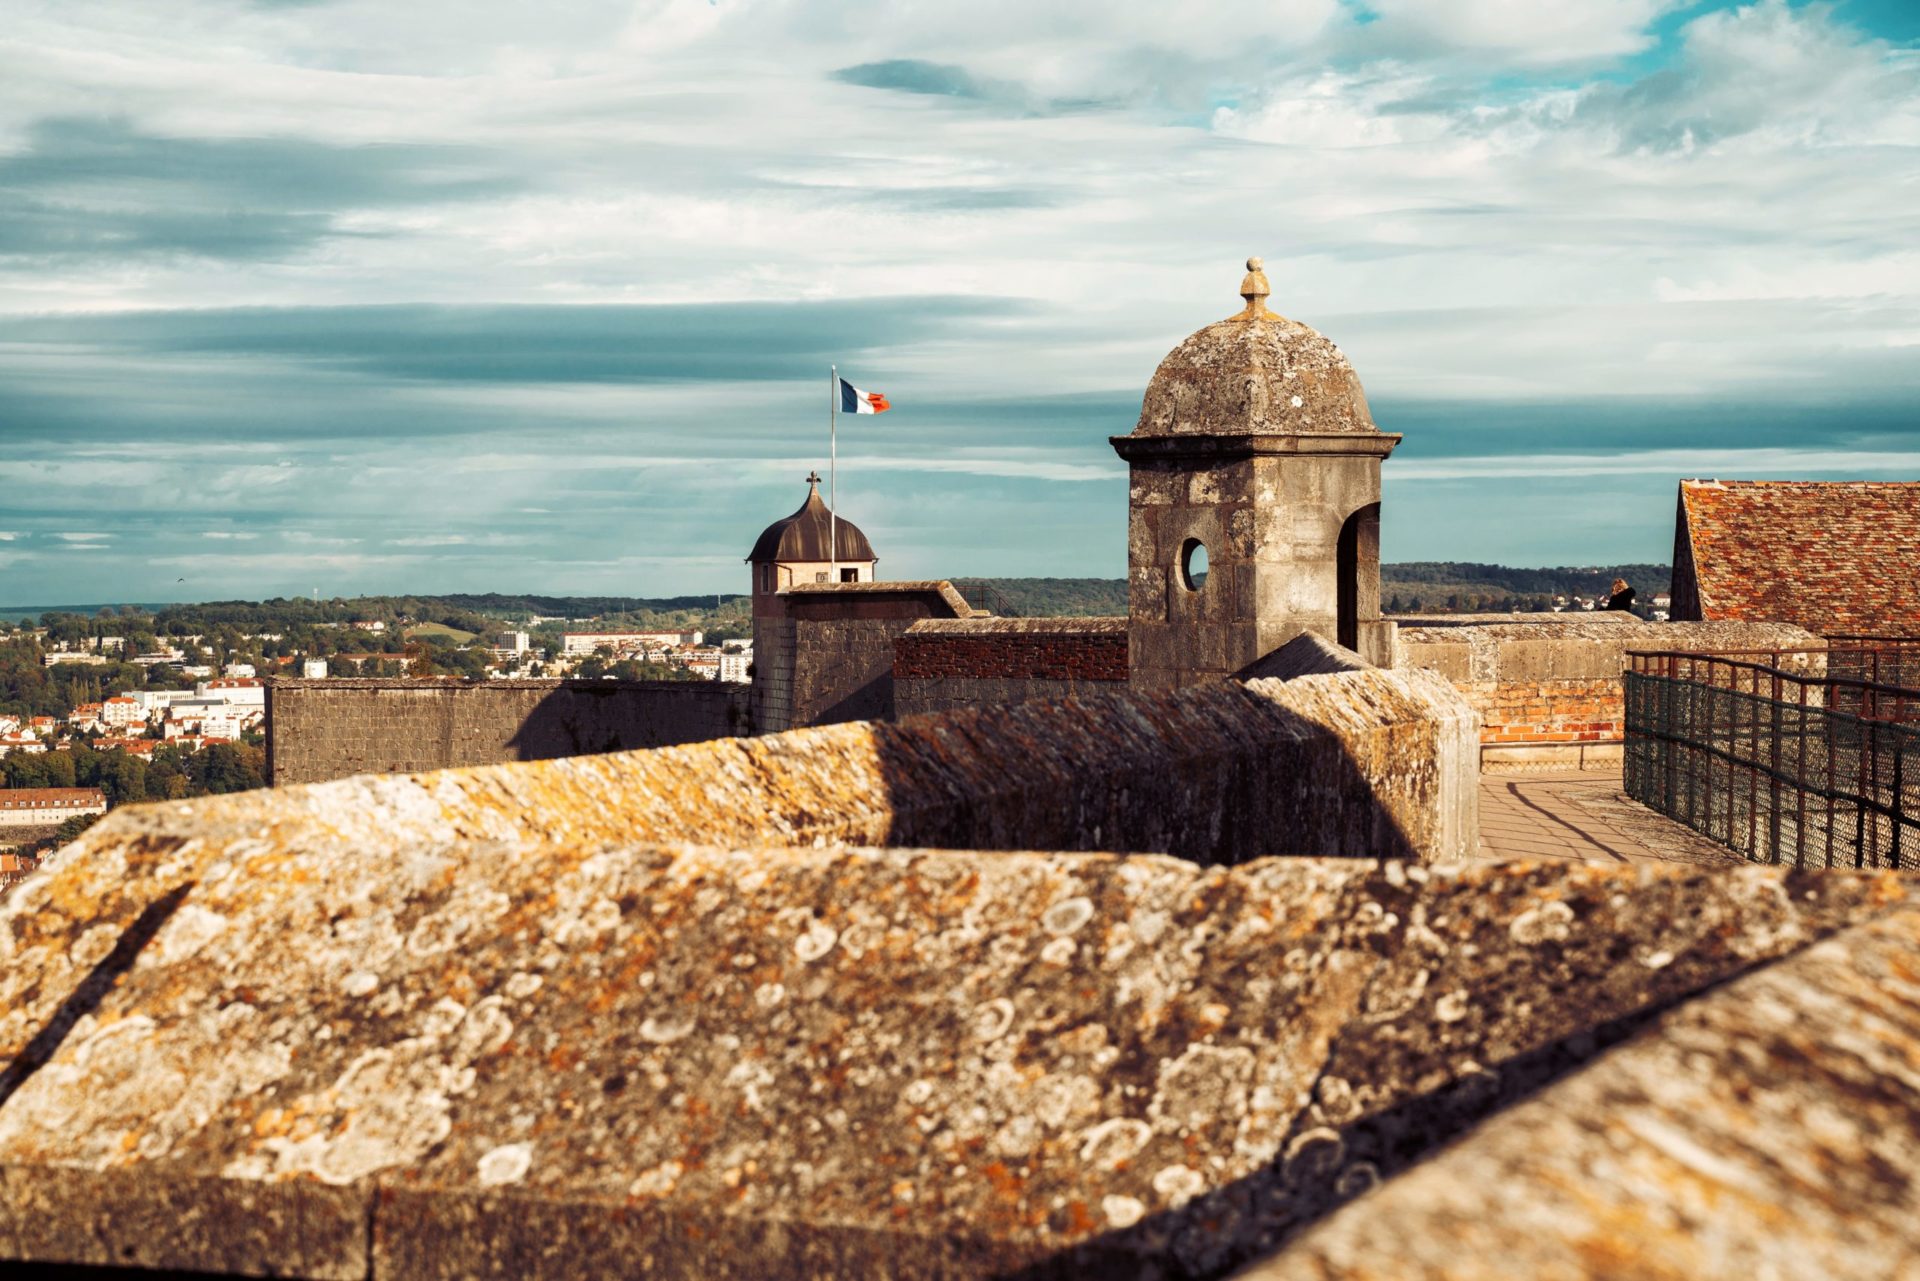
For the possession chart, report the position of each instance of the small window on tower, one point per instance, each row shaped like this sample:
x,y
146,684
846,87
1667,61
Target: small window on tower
x,y
849,575
766,578
1193,564
820,576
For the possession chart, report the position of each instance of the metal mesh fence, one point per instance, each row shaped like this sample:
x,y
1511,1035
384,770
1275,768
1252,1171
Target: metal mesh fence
x,y
1813,768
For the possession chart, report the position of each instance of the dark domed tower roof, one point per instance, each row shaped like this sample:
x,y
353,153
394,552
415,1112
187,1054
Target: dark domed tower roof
x,y
1256,373
803,536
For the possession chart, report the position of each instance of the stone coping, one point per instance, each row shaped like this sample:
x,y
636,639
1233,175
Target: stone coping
x,y
939,586
1019,627
467,682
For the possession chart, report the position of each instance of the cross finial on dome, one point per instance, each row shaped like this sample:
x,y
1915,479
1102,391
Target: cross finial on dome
x,y
813,478
1253,287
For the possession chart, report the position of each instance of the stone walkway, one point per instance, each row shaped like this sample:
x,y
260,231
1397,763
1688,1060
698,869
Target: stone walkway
x,y
1584,816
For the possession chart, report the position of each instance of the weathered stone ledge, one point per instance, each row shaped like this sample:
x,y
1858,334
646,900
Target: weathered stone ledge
x,y
373,1055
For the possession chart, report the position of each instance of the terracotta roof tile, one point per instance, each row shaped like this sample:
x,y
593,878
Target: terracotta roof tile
x,y
1830,556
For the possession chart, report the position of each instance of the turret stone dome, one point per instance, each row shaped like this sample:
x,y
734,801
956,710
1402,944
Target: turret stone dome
x,y
1255,373
803,536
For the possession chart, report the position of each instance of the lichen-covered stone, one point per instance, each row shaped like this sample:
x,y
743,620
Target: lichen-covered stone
x,y
1769,1129
557,1057
1257,373
1307,654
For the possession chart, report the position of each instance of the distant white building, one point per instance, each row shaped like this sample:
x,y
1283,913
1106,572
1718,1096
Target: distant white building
x,y
75,656
314,669
234,692
120,711
43,806
237,669
735,665
580,644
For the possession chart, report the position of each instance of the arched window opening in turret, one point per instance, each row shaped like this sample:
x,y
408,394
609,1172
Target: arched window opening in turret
x,y
1357,565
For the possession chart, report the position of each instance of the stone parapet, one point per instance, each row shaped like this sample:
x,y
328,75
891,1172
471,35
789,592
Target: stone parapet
x,y
317,1054
322,729
1792,1155
1363,763
1550,694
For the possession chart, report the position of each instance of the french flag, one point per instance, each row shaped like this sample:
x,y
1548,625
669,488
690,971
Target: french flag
x,y
855,401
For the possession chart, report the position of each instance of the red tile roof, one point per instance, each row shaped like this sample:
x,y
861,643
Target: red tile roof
x,y
20,798
1830,556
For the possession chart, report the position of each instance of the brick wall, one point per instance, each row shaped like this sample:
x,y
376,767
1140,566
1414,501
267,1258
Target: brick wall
x,y
1066,649
317,730
943,664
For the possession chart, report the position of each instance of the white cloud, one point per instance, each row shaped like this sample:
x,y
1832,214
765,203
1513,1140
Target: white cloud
x,y
1535,32
1474,197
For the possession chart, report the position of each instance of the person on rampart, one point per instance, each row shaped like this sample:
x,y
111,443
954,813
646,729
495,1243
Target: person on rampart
x,y
1622,597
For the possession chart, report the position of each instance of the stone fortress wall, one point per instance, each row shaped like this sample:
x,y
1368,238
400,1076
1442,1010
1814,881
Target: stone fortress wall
x,y
706,1011
1547,688
322,729
943,664
829,657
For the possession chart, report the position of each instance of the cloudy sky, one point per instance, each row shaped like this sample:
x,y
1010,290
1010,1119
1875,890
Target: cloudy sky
x,y
457,295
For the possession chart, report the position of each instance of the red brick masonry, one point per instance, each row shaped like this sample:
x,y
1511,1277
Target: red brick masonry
x,y
1076,649
1571,711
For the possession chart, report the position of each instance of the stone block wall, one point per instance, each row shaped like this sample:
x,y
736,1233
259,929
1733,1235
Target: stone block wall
x,y
943,664
830,658
1549,694
322,729
1358,763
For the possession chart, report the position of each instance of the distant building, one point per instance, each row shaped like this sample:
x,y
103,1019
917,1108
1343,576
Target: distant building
x,y
314,669
75,656
46,806
369,625
121,711
736,665
1834,557
580,644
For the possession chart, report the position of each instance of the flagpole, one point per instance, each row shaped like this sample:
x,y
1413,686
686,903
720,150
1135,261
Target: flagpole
x,y
833,466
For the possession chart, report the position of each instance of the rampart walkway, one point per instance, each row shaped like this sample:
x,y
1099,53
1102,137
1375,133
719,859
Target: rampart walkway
x,y
1584,816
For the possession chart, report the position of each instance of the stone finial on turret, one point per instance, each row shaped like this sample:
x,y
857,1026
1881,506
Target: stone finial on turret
x,y
1253,287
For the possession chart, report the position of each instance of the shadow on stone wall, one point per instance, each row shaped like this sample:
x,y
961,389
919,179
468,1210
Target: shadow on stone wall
x,y
1215,775
590,718
871,701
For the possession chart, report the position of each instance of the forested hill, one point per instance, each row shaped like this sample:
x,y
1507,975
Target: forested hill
x,y
1414,586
